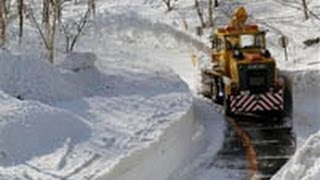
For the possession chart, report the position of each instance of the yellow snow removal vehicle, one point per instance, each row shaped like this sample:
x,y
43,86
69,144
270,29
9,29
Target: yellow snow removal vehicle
x,y
241,74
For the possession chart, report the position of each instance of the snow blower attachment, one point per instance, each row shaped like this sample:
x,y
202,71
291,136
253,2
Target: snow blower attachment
x,y
242,75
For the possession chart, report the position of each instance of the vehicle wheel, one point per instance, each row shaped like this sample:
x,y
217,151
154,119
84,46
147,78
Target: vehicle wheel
x,y
217,91
226,106
287,98
288,101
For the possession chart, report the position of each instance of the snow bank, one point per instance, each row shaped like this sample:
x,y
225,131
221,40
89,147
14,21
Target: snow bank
x,y
76,61
305,164
129,108
162,157
29,129
303,79
26,77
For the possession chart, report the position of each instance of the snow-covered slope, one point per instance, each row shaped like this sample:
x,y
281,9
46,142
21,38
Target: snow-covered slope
x,y
305,163
82,120
124,108
113,110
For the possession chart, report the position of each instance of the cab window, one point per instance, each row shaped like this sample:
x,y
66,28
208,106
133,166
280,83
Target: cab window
x,y
252,41
247,41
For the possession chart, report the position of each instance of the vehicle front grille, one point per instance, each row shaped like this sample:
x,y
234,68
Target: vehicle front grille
x,y
256,77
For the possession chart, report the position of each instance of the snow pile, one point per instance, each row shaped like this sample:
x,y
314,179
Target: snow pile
x,y
125,104
305,164
76,61
303,79
26,77
29,129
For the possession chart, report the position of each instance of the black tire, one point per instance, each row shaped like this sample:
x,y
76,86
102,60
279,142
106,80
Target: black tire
x,y
287,98
288,101
226,106
217,90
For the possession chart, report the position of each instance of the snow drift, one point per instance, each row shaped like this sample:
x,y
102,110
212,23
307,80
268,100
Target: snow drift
x,y
29,129
305,164
27,77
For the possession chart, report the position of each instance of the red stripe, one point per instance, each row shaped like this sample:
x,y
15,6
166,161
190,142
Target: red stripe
x,y
251,105
263,97
242,99
250,99
265,105
272,98
278,97
233,101
259,108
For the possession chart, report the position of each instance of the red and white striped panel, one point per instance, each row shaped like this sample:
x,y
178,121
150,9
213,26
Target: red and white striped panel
x,y
257,102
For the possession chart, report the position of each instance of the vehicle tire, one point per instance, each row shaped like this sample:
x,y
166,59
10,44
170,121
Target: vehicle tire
x,y
226,106
217,90
288,101
287,98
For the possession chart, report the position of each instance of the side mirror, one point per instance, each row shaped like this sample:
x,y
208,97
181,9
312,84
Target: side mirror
x,y
238,54
266,53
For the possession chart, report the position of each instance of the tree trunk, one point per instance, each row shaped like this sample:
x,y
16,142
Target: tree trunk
x,y
197,5
216,3
51,28
20,13
6,8
305,9
58,7
45,11
2,22
92,6
168,4
210,16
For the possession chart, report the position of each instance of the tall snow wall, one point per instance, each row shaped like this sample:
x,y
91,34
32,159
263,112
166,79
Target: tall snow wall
x,y
160,158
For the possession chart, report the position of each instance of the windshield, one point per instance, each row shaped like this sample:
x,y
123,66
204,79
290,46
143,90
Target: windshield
x,y
245,41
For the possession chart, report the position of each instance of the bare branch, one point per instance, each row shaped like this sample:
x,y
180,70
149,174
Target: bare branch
x,y
20,13
168,4
80,28
197,5
2,22
34,21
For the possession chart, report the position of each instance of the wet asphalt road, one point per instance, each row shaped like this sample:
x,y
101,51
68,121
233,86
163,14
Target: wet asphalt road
x,y
273,142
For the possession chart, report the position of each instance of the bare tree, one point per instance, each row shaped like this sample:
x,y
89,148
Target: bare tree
x,y
92,6
301,5
73,30
45,11
50,24
51,28
7,7
58,5
210,13
2,22
216,3
20,14
169,4
305,9
199,11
